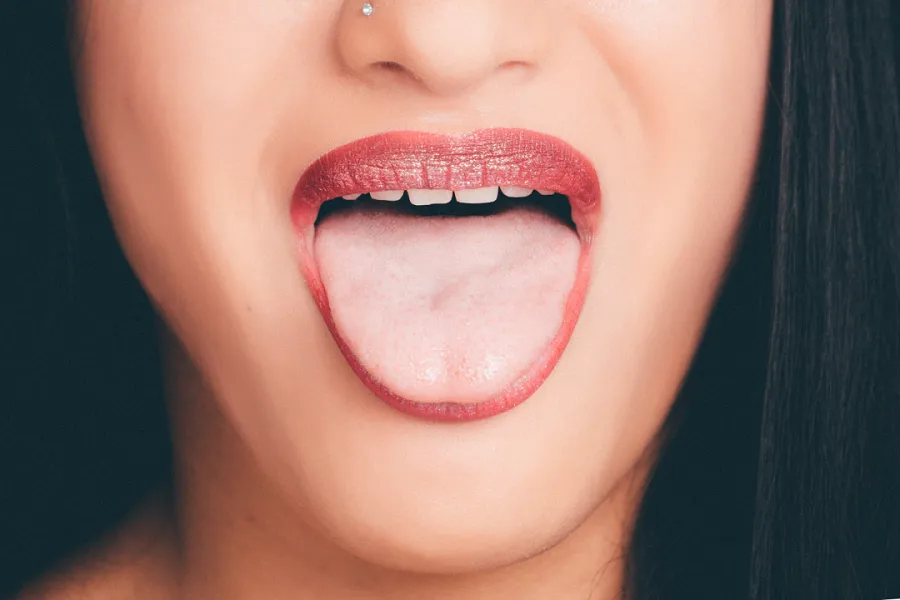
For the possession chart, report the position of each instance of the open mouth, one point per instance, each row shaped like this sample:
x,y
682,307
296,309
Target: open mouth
x,y
450,270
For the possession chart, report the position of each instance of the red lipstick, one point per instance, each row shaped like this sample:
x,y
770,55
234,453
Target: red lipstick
x,y
482,159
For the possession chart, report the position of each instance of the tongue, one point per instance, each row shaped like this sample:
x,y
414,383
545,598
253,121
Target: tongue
x,y
446,309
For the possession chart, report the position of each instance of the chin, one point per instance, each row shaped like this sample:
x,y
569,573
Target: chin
x,y
440,545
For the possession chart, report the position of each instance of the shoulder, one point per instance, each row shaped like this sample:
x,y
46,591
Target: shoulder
x,y
134,563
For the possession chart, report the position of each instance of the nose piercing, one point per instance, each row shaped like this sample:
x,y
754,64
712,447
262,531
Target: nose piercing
x,y
368,9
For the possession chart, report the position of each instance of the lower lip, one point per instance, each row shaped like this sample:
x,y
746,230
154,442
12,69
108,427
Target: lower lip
x,y
305,212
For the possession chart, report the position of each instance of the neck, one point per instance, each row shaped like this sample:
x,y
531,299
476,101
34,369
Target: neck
x,y
240,540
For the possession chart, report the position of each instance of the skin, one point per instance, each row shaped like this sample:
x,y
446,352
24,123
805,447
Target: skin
x,y
292,480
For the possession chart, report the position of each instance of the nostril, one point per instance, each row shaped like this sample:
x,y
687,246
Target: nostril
x,y
393,69
513,65
390,66
396,69
517,67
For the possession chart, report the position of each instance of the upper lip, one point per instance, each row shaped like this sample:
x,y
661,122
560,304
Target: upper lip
x,y
485,158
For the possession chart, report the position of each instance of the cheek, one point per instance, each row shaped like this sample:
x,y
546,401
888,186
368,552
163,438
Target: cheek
x,y
180,105
686,87
187,110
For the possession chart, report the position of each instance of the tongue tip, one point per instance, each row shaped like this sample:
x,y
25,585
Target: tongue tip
x,y
466,405
451,383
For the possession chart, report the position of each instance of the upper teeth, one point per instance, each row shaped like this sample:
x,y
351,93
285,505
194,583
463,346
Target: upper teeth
x,y
429,197
390,195
516,192
479,196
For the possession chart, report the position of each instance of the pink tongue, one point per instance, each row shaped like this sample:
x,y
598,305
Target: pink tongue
x,y
446,309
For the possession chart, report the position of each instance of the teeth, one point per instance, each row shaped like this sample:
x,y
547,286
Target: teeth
x,y
515,192
388,195
479,196
428,197
422,197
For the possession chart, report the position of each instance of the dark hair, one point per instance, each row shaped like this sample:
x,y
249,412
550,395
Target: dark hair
x,y
780,470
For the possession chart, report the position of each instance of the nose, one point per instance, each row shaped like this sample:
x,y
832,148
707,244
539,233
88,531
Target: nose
x,y
442,46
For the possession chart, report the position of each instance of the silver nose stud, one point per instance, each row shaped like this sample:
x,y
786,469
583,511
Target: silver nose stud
x,y
368,9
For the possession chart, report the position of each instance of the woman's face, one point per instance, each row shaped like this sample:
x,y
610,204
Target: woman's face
x,y
367,360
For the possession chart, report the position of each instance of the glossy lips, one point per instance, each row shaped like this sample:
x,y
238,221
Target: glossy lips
x,y
487,158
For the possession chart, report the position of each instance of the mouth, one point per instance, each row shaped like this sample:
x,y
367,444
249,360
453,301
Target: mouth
x,y
450,270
